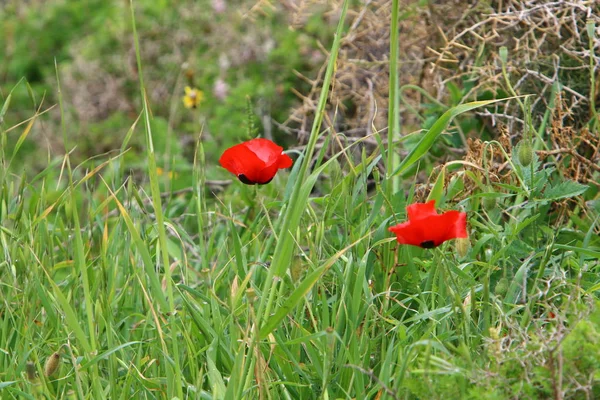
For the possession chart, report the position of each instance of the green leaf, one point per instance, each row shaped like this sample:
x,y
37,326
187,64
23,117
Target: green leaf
x,y
149,268
70,316
107,353
580,250
564,190
214,375
436,130
301,291
5,107
437,192
6,384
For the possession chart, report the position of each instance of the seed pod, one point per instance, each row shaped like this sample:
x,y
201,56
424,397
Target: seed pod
x,y
488,202
501,287
525,153
298,268
52,364
462,247
30,371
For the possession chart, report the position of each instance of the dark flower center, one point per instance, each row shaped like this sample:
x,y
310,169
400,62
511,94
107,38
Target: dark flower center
x,y
428,244
244,179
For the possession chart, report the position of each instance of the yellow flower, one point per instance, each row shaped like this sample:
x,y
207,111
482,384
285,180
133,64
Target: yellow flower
x,y
171,174
193,97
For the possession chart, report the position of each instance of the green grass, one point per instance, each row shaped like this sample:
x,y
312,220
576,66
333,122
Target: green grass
x,y
296,289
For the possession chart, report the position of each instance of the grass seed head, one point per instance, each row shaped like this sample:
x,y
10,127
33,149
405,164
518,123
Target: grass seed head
x,y
52,364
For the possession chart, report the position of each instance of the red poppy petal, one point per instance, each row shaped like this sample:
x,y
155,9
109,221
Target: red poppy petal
x,y
409,233
439,227
285,161
447,226
264,149
269,171
240,160
459,226
255,161
266,174
432,230
421,210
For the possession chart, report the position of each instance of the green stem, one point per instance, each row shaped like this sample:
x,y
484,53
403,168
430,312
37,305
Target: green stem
x,y
282,254
393,158
591,29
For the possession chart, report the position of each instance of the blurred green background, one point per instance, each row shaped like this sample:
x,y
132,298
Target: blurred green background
x,y
231,51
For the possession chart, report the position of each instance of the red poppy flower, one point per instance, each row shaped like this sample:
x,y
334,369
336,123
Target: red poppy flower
x,y
428,229
255,161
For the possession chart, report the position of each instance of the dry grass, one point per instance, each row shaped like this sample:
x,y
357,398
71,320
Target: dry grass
x,y
454,41
547,43
359,102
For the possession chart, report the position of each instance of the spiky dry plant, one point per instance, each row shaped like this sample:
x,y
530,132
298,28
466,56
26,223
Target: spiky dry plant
x,y
451,42
547,42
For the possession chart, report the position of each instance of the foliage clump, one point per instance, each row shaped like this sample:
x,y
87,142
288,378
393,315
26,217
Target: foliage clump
x,y
549,45
556,357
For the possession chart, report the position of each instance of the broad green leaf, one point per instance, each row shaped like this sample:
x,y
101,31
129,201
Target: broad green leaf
x,y
294,299
23,137
285,245
214,375
564,190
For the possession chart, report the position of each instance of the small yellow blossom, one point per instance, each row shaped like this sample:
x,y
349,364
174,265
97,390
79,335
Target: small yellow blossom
x,y
193,97
171,174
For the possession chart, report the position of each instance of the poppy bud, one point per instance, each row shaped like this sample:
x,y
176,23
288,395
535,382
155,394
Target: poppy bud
x,y
52,364
525,153
489,202
298,268
501,287
462,247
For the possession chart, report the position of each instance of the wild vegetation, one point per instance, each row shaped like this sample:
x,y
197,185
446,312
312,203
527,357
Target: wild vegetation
x,y
151,247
